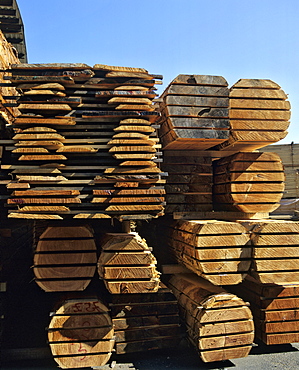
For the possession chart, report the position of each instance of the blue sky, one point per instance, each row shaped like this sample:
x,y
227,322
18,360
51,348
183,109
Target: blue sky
x,y
231,38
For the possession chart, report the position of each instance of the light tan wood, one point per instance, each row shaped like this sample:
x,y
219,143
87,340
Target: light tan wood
x,y
105,67
45,136
35,192
43,200
127,287
138,107
46,157
32,216
123,241
44,107
130,100
38,129
125,258
129,74
30,150
63,270
76,149
134,128
209,310
81,327
41,121
219,251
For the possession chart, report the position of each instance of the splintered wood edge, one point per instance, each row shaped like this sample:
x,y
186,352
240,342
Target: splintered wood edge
x,y
33,216
226,215
105,67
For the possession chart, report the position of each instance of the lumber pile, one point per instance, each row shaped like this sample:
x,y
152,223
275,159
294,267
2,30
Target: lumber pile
x,y
88,134
7,58
81,334
188,184
194,112
275,250
200,112
65,258
218,251
259,114
144,322
219,324
272,289
248,182
12,26
289,155
127,265
275,310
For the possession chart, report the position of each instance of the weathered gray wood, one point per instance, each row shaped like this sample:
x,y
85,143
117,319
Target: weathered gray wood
x,y
200,80
198,90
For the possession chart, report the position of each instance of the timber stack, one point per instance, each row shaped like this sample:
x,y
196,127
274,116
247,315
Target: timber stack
x,y
81,334
72,117
65,259
272,290
259,115
194,112
218,251
219,324
127,265
248,182
275,310
289,154
144,322
247,185
188,184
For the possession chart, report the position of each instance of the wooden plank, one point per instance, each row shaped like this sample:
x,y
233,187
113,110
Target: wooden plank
x,y
45,121
199,80
197,90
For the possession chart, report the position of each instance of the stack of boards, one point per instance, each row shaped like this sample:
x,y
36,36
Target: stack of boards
x,y
85,143
289,155
188,184
127,265
275,250
218,251
194,112
144,322
199,112
273,285
81,334
275,309
259,115
249,182
219,324
65,259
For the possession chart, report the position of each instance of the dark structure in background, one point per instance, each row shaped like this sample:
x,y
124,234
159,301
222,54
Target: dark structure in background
x,y
11,25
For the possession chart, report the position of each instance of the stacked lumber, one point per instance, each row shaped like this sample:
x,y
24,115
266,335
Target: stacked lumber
x,y
144,322
275,309
248,182
194,112
259,114
273,287
7,57
275,250
12,26
218,251
65,258
81,334
219,324
127,265
88,134
188,184
289,155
